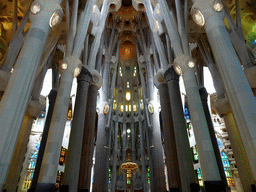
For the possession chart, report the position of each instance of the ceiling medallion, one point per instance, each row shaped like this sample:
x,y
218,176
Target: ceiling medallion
x,y
106,109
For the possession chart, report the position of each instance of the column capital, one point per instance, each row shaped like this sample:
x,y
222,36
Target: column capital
x,y
96,79
222,106
212,18
72,65
183,63
84,75
35,107
170,74
159,78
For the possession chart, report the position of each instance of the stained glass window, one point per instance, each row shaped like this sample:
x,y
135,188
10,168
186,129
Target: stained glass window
x,y
227,169
109,175
199,176
148,174
31,167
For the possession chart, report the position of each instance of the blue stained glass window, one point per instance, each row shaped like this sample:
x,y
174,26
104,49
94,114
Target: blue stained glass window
x,y
220,144
186,113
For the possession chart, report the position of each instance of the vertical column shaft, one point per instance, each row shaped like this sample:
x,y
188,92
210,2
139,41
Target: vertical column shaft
x,y
20,150
169,139
16,97
48,172
204,95
156,147
143,164
205,149
113,185
88,139
238,90
101,167
77,128
180,130
52,97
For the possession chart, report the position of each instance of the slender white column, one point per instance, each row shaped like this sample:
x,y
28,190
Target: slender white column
x,y
96,42
153,25
15,44
16,97
239,93
48,171
205,149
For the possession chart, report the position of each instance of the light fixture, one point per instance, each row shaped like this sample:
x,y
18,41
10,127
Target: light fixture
x,y
150,108
106,109
129,131
56,18
178,70
191,64
77,71
217,5
198,17
35,8
128,96
64,66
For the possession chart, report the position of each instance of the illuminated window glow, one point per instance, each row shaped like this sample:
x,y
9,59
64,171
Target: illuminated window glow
x,y
120,72
134,108
134,71
114,105
128,96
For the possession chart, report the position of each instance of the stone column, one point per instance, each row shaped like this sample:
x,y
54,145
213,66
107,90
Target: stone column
x,y
49,168
244,169
204,96
147,124
156,147
124,136
171,159
133,148
124,148
101,166
185,66
33,111
143,164
52,97
72,164
113,185
185,158
16,97
88,135
239,93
